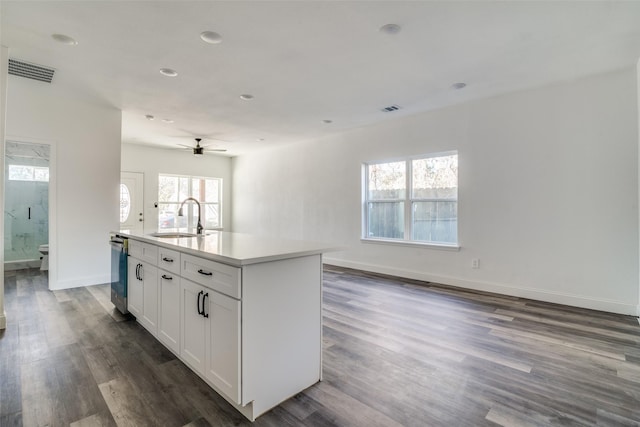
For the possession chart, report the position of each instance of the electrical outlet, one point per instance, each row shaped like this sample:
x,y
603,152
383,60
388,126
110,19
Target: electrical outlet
x,y
475,263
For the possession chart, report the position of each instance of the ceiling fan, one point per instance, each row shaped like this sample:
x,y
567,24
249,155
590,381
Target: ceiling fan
x,y
199,150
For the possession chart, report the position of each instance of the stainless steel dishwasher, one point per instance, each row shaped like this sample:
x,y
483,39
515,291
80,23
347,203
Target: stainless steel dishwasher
x,y
119,254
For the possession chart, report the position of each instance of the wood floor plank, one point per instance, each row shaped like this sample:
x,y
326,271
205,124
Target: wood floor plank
x,y
11,419
610,419
343,406
200,422
195,394
508,417
126,405
103,363
32,340
57,330
103,419
39,384
10,367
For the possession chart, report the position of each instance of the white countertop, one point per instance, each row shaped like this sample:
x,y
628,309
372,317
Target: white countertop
x,y
235,249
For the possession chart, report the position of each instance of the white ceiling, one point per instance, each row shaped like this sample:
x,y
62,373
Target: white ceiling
x,y
309,61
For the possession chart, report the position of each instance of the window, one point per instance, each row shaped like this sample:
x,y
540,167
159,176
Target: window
x,y
173,189
412,200
125,203
28,173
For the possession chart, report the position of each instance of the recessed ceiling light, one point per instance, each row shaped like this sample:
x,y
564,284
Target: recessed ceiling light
x,y
327,121
459,85
168,72
390,29
167,120
149,117
61,38
246,97
211,37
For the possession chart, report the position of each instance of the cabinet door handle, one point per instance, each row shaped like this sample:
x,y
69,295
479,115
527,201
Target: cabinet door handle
x,y
206,273
138,271
165,277
165,259
204,304
141,272
200,312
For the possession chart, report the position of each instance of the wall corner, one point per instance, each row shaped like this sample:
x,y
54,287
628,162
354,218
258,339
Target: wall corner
x,y
4,75
638,168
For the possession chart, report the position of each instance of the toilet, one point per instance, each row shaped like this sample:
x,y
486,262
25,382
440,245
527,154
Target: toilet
x,y
44,250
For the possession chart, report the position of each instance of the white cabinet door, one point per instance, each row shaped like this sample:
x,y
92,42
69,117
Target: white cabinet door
x,y
169,310
134,288
223,343
193,329
149,318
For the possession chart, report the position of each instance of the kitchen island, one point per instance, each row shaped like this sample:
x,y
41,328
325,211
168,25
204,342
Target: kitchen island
x,y
243,312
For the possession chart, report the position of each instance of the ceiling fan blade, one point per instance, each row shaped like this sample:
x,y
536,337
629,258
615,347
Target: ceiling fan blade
x,y
186,146
217,149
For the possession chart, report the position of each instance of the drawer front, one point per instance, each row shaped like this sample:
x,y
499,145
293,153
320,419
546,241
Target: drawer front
x,y
169,260
219,277
143,251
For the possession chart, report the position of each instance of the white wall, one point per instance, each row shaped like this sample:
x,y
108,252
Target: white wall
x,y
153,161
548,193
85,166
638,112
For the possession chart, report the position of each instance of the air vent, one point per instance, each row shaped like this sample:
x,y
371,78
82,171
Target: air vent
x,y
30,71
390,108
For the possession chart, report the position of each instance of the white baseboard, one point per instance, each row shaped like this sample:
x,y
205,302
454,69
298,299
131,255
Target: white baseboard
x,y
498,288
78,282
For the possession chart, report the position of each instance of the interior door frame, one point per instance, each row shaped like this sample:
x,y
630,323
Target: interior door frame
x,y
53,218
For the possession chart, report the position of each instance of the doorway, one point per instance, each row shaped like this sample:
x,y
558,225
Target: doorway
x,y
26,205
132,201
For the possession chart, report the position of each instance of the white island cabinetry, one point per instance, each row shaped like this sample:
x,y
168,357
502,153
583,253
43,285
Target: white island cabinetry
x,y
193,337
241,312
169,283
211,310
143,284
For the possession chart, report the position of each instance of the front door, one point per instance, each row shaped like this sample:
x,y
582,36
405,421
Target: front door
x,y
131,201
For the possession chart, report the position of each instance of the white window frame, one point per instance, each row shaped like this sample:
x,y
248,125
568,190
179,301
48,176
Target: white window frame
x,y
408,204
191,221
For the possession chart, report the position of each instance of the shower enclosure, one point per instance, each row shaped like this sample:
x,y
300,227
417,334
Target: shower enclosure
x,y
26,204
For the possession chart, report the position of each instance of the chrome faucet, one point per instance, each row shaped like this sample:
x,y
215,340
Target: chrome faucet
x,y
199,227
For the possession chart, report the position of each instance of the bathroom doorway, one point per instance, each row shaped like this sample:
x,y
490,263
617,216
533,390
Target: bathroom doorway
x,y
26,205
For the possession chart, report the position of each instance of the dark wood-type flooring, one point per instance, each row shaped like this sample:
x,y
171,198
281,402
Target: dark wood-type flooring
x,y
396,353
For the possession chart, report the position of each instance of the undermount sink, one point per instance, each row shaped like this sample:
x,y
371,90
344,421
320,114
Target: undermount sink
x,y
173,235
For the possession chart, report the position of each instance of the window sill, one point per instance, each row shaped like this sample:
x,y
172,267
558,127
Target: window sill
x,y
438,246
